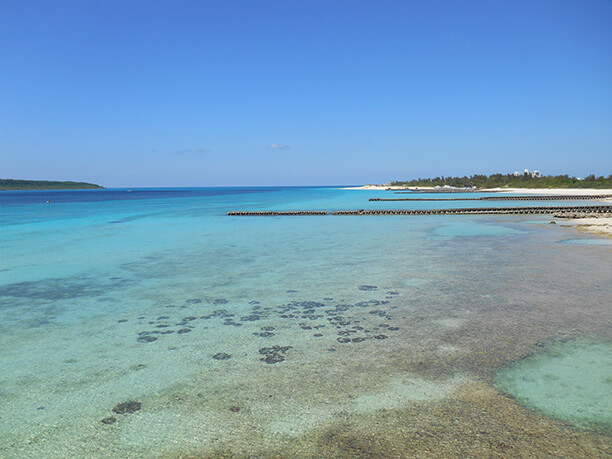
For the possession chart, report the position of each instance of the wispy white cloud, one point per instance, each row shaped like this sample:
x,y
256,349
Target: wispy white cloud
x,y
194,150
274,145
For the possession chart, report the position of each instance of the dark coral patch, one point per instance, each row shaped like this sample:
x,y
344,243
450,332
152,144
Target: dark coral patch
x,y
221,356
127,407
146,339
265,334
274,354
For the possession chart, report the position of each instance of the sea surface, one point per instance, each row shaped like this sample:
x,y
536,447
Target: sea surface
x,y
149,323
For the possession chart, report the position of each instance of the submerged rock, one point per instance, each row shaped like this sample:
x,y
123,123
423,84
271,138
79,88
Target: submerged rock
x,y
346,332
367,288
250,318
193,301
146,339
310,304
273,358
109,420
127,407
221,356
274,354
184,330
265,334
232,323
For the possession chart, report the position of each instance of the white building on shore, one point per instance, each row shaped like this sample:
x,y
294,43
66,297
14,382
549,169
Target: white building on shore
x,y
534,174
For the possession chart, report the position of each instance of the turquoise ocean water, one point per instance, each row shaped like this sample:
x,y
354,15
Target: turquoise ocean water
x,y
251,334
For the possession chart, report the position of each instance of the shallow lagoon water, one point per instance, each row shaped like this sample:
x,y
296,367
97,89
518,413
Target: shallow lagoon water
x,y
309,336
571,381
587,241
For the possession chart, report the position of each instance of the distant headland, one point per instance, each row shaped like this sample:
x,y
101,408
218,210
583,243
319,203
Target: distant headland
x,y
14,185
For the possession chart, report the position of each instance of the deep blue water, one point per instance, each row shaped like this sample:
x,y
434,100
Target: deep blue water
x,y
16,198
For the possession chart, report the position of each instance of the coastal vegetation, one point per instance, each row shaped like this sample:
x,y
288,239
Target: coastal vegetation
x,y
10,184
511,181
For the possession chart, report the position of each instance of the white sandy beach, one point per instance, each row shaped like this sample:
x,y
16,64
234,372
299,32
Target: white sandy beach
x,y
553,191
547,191
379,187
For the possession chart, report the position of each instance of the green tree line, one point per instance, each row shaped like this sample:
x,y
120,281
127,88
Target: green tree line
x,y
511,181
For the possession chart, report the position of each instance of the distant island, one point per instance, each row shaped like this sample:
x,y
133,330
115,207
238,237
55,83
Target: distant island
x,y
12,185
516,180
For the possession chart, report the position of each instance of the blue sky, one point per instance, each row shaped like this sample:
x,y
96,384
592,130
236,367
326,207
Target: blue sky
x,y
211,93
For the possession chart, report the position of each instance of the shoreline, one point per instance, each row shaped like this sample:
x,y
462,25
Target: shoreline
x,y
553,191
596,226
549,191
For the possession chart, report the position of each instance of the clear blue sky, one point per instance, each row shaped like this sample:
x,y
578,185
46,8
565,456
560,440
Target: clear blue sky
x,y
207,93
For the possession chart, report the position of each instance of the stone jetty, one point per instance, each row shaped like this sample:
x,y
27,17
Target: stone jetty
x,y
457,211
271,213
